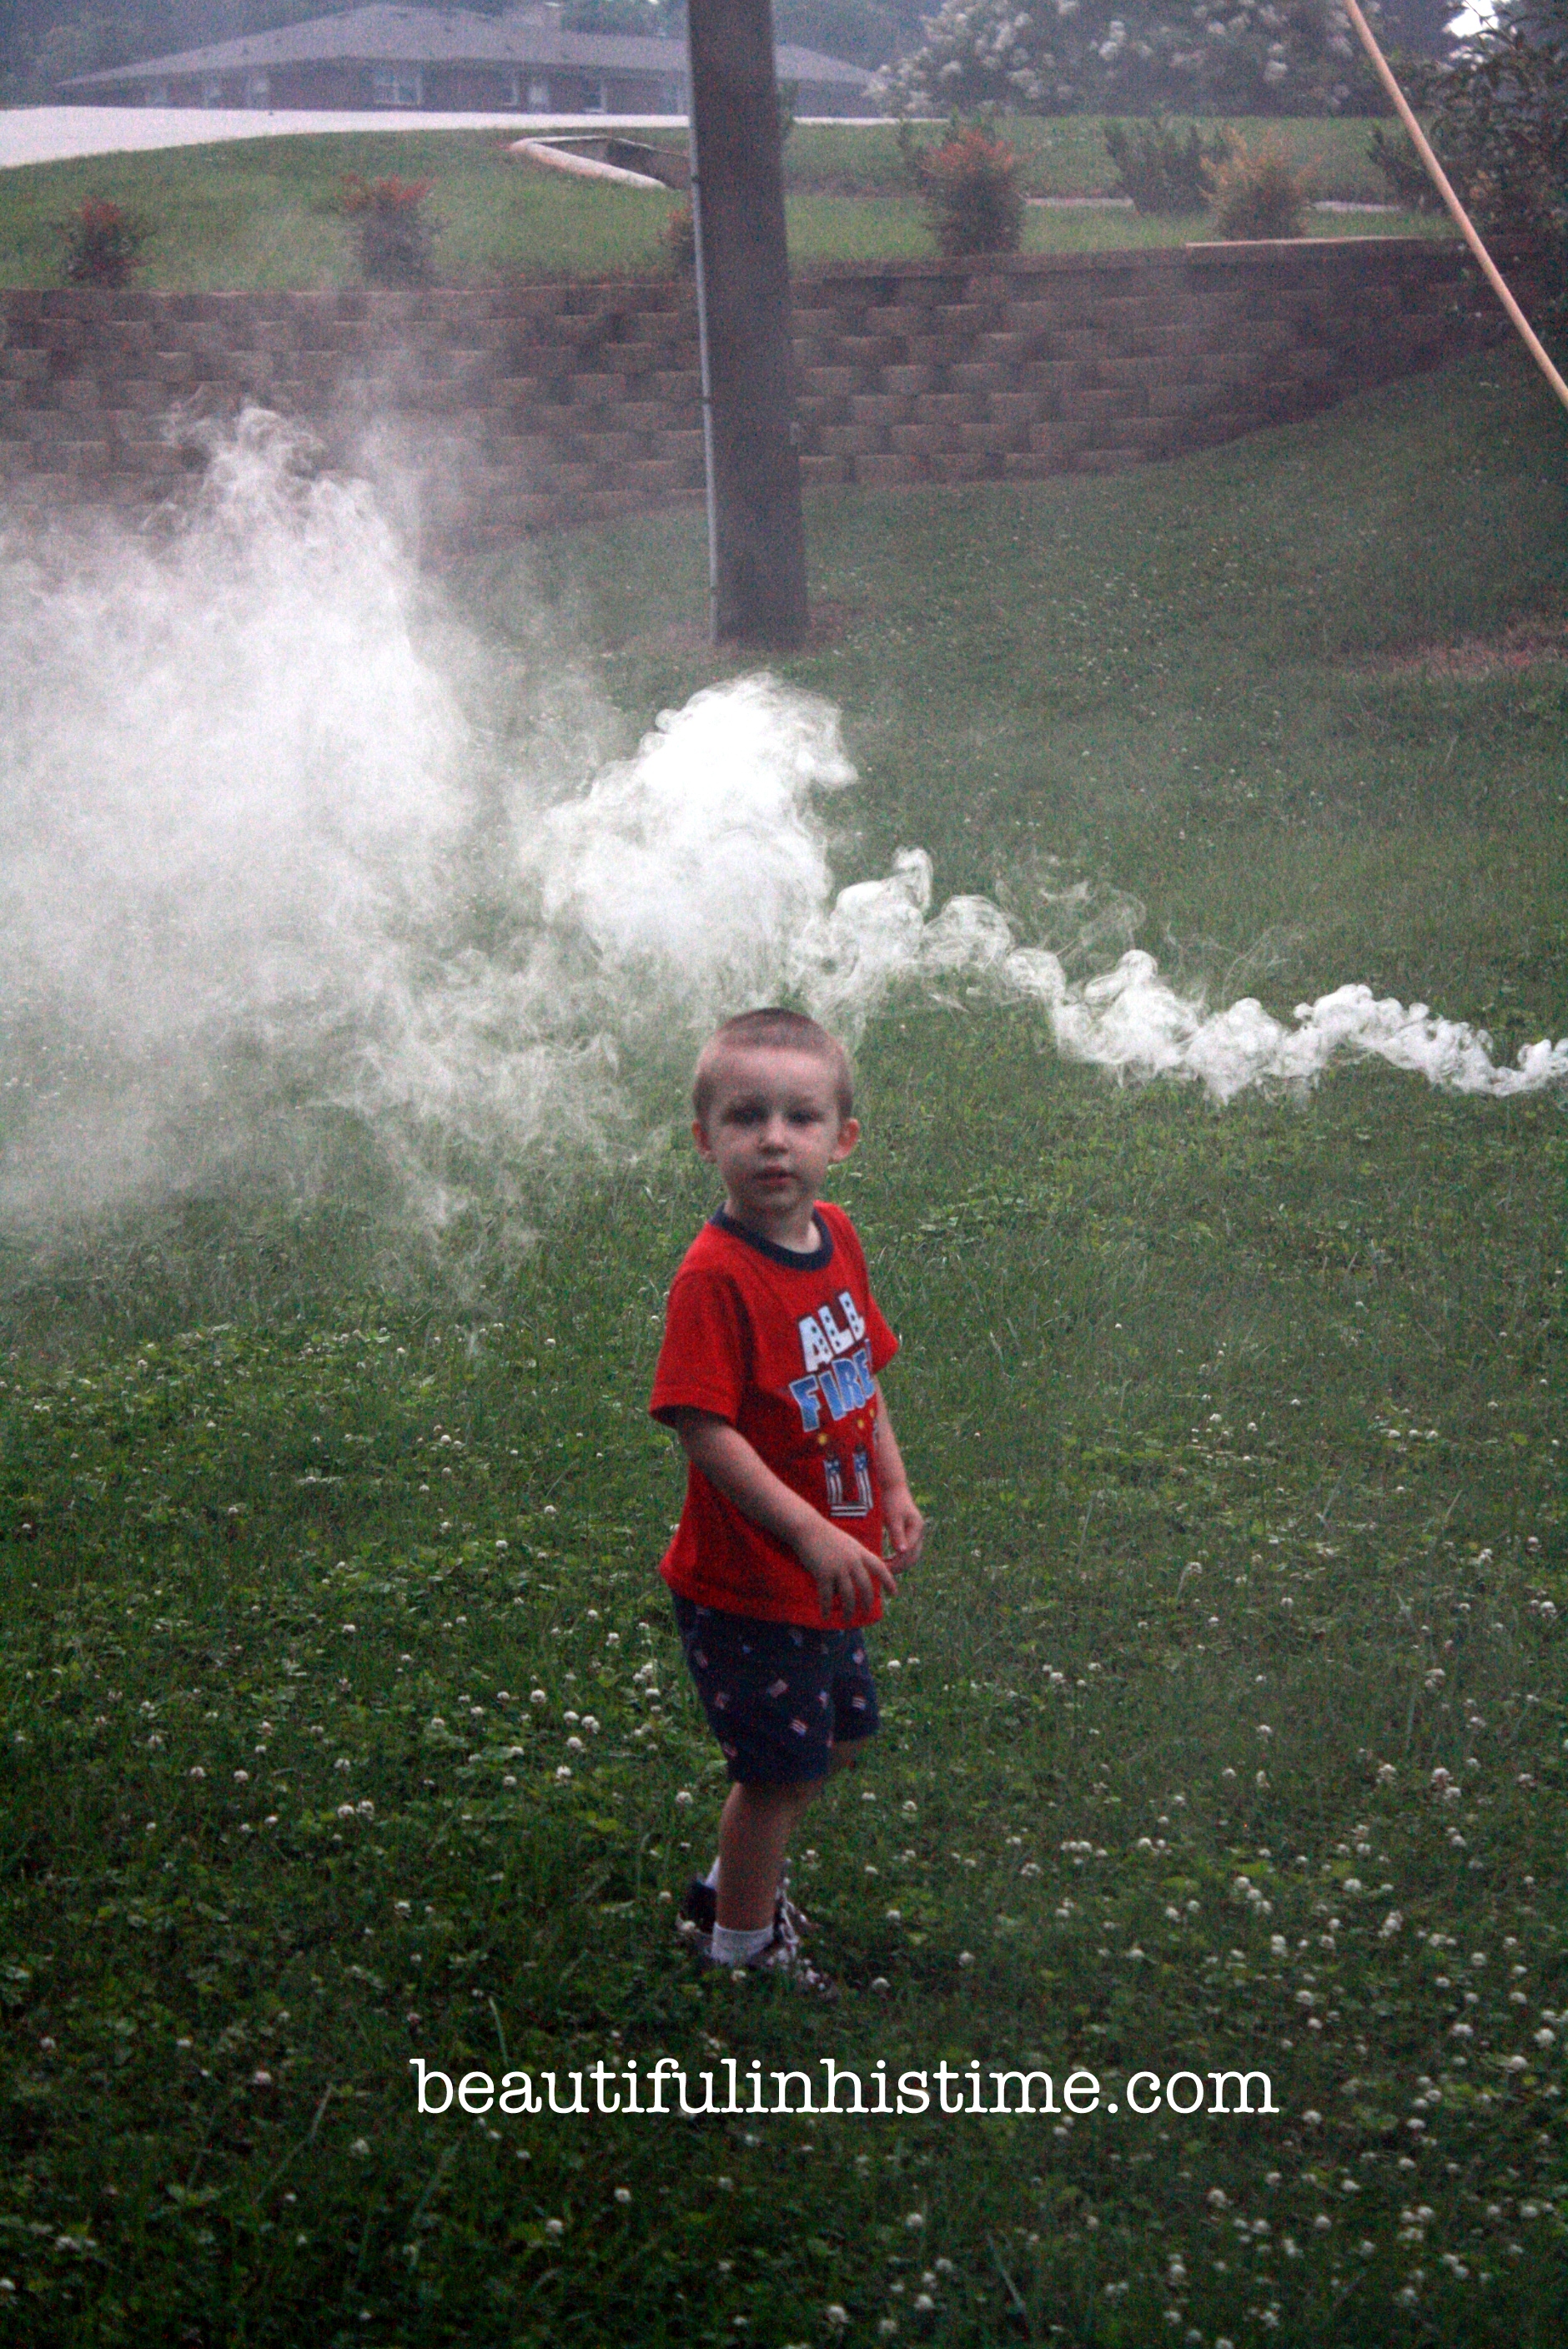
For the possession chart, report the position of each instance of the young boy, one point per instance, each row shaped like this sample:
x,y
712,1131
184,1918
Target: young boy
x,y
768,1376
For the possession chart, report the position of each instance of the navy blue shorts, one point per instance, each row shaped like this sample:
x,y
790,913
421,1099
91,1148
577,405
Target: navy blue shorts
x,y
778,1697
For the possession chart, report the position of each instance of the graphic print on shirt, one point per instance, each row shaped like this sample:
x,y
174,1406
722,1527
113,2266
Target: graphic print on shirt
x,y
839,1503
838,1374
838,1381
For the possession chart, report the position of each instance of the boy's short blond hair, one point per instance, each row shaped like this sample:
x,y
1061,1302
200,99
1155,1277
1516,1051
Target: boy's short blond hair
x,y
778,1031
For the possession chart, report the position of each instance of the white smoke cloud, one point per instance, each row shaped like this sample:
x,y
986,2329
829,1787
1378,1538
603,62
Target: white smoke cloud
x,y
265,877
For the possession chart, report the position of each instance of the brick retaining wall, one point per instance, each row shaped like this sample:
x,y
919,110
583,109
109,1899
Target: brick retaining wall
x,y
536,406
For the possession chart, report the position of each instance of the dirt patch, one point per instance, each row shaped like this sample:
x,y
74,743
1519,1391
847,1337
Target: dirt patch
x,y
1521,645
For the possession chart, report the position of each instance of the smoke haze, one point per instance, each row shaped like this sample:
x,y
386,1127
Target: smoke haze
x,y
272,884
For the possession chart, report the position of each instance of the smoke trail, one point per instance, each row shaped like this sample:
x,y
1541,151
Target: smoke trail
x,y
285,889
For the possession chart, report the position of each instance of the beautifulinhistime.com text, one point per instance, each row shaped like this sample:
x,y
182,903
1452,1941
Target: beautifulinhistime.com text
x,y
665,2090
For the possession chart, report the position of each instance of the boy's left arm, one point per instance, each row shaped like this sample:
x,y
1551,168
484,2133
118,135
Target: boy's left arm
x,y
905,1526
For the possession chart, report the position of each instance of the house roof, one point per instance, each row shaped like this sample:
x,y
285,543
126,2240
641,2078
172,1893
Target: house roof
x,y
389,34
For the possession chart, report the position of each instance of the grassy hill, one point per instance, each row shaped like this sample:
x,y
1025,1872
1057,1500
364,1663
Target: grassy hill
x,y
268,213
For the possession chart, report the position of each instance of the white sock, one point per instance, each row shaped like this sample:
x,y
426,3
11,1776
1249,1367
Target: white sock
x,y
737,1945
711,1879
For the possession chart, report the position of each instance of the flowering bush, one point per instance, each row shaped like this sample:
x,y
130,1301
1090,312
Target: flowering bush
x,y
1158,169
969,187
394,237
1255,192
103,244
1134,57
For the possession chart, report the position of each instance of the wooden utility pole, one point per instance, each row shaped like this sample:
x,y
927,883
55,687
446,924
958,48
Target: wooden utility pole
x,y
757,547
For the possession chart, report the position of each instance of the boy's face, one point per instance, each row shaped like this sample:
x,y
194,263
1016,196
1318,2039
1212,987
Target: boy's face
x,y
773,1129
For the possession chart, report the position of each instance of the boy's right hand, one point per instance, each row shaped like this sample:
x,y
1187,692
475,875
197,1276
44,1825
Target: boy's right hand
x,y
845,1572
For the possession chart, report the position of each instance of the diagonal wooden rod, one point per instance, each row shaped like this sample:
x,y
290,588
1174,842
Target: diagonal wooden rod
x,y
1441,181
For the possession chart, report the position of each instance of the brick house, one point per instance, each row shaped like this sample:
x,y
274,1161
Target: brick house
x,y
447,60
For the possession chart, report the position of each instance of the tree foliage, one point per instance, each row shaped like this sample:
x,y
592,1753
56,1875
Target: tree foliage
x,y
1498,122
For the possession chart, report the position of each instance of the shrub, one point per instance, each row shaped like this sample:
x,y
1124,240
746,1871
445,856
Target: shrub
x,y
1498,120
969,187
678,237
395,239
1161,171
103,244
1255,192
1409,182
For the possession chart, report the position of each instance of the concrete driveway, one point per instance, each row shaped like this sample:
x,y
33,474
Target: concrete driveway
x,y
49,134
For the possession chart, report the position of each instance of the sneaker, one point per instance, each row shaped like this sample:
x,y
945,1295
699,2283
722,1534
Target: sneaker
x,y
784,1956
699,1912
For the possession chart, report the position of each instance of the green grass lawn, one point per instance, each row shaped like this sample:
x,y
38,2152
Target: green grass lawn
x,y
1064,155
267,213
1224,1721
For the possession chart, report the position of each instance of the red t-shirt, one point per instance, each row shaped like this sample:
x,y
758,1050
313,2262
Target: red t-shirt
x,y
786,1348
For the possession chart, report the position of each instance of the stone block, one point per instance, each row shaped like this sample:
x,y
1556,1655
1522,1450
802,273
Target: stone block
x,y
1034,464
1033,318
981,375
851,439
886,472
991,435
597,391
921,439
1139,373
651,475
829,382
1225,367
949,407
1015,408
651,415
1091,404
1058,441
869,351
1050,378
878,408
823,472
610,448
963,465
1107,461
937,351
899,320
1180,398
